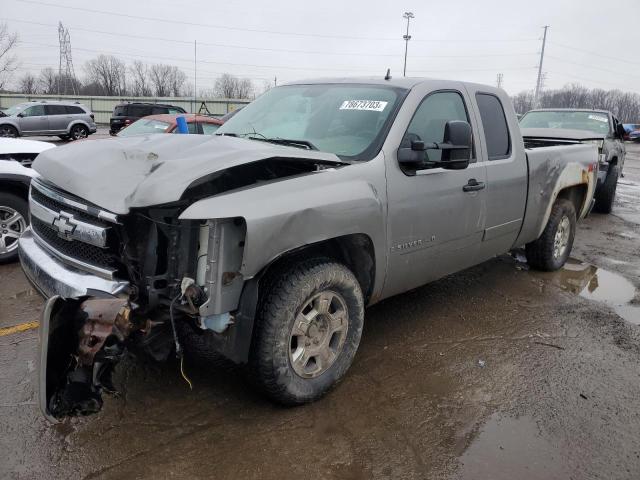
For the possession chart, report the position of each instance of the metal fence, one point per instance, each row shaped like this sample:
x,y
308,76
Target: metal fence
x,y
102,107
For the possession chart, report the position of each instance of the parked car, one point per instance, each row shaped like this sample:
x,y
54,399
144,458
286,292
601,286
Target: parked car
x,y
632,132
199,124
604,130
67,120
125,114
16,157
265,242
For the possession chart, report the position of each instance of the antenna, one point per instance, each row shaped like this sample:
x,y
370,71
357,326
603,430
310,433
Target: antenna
x,y
388,75
66,72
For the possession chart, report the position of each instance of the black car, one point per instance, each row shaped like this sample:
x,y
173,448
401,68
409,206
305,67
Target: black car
x,y
127,113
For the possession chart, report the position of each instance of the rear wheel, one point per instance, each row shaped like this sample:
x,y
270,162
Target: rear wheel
x,y
78,132
308,329
13,221
552,249
8,131
606,194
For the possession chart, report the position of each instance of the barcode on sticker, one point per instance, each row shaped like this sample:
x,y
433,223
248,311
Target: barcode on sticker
x,y
598,118
372,105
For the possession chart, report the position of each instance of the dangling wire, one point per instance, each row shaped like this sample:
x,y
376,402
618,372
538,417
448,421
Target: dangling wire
x,y
179,353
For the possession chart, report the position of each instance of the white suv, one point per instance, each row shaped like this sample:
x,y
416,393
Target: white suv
x,y
16,157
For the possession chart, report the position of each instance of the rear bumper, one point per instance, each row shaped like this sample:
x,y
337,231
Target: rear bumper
x,y
51,277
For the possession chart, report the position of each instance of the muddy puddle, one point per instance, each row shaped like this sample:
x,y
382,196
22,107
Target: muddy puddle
x,y
508,448
599,285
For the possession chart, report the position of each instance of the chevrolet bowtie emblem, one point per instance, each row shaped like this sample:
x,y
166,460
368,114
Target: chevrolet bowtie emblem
x,y
65,226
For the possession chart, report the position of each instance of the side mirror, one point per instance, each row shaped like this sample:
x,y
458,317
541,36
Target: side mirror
x,y
456,149
20,115
621,132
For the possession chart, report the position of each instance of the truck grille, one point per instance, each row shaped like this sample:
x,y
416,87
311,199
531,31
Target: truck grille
x,y
76,233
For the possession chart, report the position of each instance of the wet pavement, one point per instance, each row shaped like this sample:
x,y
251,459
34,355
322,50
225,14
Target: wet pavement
x,y
498,372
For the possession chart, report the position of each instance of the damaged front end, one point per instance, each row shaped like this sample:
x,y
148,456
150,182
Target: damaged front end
x,y
81,340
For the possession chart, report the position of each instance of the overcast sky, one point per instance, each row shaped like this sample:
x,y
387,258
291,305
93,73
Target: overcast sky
x,y
591,42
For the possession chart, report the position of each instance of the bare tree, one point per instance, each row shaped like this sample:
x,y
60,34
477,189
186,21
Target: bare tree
x,y
8,61
109,73
229,86
625,105
48,81
28,84
167,80
140,82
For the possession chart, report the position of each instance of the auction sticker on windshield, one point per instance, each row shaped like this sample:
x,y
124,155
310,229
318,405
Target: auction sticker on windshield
x,y
372,105
599,118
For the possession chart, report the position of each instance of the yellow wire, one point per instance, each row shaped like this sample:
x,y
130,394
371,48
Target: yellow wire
x,y
183,375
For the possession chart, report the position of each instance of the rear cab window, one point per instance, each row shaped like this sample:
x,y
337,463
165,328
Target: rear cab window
x,y
73,110
494,123
120,111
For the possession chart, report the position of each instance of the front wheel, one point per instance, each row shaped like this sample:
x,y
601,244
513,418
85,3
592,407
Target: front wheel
x,y
8,131
13,221
308,329
552,249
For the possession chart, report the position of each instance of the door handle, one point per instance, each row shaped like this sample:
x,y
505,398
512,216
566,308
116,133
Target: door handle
x,y
473,186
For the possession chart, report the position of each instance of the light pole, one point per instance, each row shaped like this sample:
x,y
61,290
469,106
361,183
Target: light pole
x,y
407,37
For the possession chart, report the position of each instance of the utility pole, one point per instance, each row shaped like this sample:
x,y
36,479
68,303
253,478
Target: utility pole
x,y
275,81
407,37
538,82
499,80
65,64
195,74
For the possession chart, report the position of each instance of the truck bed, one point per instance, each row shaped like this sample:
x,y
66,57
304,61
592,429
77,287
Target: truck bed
x,y
552,168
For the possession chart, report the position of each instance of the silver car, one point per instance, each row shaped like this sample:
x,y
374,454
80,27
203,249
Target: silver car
x,y
67,120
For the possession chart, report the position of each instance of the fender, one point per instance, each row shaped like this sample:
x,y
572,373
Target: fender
x,y
288,214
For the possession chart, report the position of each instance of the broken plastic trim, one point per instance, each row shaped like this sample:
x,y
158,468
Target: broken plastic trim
x,y
81,340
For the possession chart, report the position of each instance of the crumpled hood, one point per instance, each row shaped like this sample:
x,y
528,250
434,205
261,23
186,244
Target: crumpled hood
x,y
561,134
122,173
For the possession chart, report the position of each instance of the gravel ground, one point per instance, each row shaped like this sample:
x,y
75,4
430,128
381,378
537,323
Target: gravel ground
x,y
495,373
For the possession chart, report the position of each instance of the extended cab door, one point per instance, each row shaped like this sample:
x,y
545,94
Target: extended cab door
x,y
435,221
507,175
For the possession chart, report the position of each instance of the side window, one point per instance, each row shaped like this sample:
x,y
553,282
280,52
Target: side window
x,y
430,118
494,122
55,110
192,127
158,110
173,111
209,128
139,110
35,111
73,110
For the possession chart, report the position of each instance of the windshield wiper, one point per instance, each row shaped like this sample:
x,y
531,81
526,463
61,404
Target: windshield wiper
x,y
288,142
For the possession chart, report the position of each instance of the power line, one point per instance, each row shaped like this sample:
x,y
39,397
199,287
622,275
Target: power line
x,y
616,72
265,49
254,30
595,54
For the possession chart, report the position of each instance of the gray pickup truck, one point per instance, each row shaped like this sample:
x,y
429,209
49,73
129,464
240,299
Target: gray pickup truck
x,y
266,242
602,128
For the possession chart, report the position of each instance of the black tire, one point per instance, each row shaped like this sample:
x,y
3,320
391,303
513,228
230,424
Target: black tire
x,y
606,194
541,253
78,132
287,292
8,131
19,205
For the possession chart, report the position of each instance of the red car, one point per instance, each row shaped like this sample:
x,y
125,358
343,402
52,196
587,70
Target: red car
x,y
166,123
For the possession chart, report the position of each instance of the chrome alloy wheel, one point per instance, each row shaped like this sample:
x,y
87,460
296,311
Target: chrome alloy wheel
x,y
318,334
561,239
12,224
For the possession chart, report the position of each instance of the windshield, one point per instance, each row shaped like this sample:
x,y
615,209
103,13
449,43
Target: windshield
x,y
143,127
597,122
15,109
345,119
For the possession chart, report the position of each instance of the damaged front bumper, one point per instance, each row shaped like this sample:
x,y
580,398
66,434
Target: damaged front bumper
x,y
81,340
51,277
